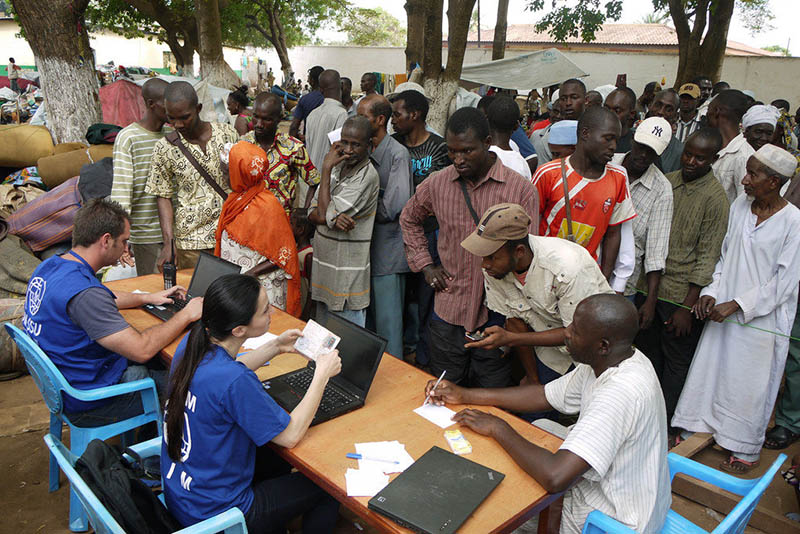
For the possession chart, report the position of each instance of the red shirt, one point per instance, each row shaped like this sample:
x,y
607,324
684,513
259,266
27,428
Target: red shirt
x,y
595,204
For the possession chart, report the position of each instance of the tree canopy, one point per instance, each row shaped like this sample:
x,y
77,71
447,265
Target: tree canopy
x,y
372,27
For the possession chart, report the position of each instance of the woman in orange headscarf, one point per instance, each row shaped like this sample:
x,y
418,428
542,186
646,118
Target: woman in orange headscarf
x,y
254,232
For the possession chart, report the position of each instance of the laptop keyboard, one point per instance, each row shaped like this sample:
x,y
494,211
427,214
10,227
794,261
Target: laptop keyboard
x,y
180,304
331,398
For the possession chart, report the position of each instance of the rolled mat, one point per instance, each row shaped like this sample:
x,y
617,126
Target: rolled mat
x,y
21,145
57,169
61,148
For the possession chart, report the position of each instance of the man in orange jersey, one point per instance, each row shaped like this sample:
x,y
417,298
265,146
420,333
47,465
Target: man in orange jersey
x,y
599,201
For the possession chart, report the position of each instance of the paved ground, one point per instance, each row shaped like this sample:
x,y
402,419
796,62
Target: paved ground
x,y
29,507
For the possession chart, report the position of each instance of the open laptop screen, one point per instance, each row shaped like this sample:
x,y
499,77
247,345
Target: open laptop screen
x,y
359,349
208,269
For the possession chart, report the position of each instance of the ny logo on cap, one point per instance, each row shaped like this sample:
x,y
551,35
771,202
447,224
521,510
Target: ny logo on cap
x,y
658,131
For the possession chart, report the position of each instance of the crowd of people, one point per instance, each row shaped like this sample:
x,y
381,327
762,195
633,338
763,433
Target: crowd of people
x,y
607,262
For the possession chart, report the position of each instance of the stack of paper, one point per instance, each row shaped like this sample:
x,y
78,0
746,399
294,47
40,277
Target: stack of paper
x,y
364,483
372,474
391,451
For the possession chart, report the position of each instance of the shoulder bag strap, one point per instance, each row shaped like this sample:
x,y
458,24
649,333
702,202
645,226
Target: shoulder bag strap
x,y
175,139
469,202
567,209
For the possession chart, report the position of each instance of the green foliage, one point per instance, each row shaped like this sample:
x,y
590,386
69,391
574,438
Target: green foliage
x,y
777,48
567,20
122,18
655,18
300,19
372,27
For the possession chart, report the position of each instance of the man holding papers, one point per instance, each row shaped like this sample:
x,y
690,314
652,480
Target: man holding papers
x,y
617,451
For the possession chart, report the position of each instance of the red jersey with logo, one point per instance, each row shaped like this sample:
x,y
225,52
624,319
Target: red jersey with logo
x,y
595,204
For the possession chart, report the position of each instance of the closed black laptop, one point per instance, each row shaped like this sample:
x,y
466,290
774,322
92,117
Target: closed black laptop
x,y
437,493
360,351
208,269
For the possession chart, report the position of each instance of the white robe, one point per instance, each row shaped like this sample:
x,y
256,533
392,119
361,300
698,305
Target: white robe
x,y
736,371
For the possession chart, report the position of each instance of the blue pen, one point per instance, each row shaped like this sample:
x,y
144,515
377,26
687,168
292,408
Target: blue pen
x,y
356,456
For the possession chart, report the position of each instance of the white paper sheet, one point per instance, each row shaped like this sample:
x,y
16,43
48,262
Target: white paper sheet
x,y
438,415
255,342
384,450
335,136
364,483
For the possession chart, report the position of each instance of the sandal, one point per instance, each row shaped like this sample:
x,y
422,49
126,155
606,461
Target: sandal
x,y
737,466
779,437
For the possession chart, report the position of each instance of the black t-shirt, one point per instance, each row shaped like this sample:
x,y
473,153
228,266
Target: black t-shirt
x,y
428,157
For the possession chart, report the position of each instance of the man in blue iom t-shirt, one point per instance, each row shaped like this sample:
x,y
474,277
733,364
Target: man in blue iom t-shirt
x,y
75,319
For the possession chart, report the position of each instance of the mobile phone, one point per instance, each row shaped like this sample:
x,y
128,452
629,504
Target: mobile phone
x,y
475,336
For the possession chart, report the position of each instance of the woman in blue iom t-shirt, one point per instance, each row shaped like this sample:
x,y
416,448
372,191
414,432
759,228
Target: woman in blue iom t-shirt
x,y
219,419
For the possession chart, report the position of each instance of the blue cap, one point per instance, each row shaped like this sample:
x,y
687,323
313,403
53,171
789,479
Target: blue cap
x,y
564,133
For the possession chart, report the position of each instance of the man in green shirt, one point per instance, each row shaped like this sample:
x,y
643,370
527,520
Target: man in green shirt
x,y
133,150
699,223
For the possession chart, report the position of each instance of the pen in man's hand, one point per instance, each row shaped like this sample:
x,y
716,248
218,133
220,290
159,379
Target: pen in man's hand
x,y
428,396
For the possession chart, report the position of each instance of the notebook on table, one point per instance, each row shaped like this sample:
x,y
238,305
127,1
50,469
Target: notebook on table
x,y
360,351
208,269
437,493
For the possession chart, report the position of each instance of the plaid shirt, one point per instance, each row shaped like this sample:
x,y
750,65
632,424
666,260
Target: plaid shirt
x,y
652,199
440,195
287,163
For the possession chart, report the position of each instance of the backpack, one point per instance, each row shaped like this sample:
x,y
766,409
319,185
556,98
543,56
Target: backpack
x,y
116,483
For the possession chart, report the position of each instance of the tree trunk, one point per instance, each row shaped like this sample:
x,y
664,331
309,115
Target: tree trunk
x,y
500,27
213,67
442,85
175,28
698,55
57,34
275,35
279,42
416,11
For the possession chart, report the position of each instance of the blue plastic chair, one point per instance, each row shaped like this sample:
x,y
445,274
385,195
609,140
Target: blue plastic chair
x,y
750,489
52,384
229,522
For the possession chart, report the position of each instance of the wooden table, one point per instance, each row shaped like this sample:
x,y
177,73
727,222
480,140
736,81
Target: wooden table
x,y
397,389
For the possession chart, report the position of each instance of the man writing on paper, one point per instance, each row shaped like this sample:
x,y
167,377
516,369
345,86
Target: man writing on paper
x,y
617,450
536,283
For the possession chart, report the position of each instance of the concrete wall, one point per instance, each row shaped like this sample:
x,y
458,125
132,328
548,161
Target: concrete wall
x,y
108,47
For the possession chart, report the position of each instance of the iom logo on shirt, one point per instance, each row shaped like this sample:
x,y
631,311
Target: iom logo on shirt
x,y
35,295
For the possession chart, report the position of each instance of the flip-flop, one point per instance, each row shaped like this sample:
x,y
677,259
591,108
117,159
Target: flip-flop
x,y
779,437
737,466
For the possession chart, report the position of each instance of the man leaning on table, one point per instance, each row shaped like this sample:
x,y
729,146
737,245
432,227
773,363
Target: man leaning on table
x,y
616,454
535,283
75,319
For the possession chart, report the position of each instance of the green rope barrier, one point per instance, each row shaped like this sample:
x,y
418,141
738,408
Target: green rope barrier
x,y
724,320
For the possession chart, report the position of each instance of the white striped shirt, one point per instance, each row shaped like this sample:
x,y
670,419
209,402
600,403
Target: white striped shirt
x,y
133,150
622,434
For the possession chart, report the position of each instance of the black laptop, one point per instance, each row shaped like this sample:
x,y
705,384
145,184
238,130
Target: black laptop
x,y
360,351
437,493
208,269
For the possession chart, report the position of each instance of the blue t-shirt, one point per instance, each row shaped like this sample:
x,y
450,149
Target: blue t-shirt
x,y
525,146
227,415
307,104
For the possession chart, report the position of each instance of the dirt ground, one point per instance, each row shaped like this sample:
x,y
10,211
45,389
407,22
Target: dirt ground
x,y
29,507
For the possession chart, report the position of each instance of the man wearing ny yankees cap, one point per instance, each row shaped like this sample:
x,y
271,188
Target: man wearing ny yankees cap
x,y
536,283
